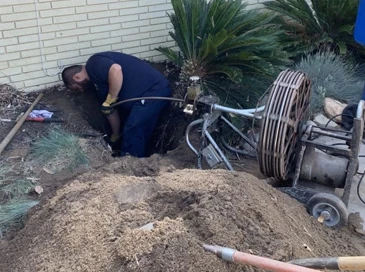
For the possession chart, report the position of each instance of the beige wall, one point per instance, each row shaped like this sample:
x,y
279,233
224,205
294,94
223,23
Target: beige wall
x,y
71,30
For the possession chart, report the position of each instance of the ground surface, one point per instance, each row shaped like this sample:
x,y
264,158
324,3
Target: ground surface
x,y
88,219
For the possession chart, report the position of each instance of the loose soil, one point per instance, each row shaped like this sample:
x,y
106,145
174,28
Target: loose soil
x,y
92,224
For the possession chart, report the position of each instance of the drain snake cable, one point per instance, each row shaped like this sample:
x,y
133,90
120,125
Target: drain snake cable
x,y
148,98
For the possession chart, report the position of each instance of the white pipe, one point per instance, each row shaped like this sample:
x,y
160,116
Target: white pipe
x,y
360,109
249,113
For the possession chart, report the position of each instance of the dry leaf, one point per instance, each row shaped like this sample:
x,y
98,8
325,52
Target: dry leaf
x,y
45,169
34,180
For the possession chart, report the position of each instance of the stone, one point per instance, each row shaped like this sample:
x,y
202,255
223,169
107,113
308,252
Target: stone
x,y
333,108
322,120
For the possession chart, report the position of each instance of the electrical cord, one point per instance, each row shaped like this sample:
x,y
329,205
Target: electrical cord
x,y
358,188
337,115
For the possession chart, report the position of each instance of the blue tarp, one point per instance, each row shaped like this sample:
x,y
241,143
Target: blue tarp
x,y
360,24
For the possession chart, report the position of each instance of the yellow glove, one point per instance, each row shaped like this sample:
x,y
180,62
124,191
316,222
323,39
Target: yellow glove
x,y
114,138
106,107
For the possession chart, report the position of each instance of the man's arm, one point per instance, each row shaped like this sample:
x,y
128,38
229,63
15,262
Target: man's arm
x,y
114,121
115,80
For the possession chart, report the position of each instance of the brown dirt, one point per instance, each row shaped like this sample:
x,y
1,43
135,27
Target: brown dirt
x,y
92,223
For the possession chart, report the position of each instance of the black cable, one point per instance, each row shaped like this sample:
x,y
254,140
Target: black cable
x,y
148,98
341,114
358,188
335,144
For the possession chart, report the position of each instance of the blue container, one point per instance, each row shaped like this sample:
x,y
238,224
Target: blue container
x,y
360,24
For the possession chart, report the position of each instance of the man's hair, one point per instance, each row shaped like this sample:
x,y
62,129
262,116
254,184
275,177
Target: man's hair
x,y
68,73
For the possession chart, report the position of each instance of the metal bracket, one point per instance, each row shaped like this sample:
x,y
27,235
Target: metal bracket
x,y
211,156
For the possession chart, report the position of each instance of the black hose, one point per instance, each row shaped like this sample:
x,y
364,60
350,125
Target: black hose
x,y
358,188
341,114
148,98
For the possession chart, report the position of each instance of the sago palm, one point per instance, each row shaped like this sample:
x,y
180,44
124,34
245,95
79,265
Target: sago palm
x,y
311,24
220,41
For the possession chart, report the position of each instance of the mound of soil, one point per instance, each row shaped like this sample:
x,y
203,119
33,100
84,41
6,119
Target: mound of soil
x,y
93,224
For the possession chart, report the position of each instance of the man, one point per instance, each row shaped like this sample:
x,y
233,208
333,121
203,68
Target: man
x,y
119,77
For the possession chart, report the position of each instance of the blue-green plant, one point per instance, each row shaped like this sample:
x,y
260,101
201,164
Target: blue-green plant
x,y
14,201
332,76
59,149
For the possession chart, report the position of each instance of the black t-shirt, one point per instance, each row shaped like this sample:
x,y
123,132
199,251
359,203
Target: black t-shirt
x,y
139,78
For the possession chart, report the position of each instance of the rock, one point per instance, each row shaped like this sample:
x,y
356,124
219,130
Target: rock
x,y
39,189
322,120
148,227
360,231
333,107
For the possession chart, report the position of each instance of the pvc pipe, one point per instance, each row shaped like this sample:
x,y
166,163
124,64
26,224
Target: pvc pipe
x,y
232,255
15,129
360,109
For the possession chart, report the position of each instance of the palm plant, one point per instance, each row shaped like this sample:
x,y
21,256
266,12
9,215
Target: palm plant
x,y
311,24
223,43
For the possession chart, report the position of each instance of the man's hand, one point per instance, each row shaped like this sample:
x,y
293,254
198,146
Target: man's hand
x,y
106,107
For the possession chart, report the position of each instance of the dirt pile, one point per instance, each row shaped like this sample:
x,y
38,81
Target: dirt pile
x,y
93,225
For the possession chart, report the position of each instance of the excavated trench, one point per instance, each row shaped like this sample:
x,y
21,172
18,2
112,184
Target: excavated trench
x,y
168,132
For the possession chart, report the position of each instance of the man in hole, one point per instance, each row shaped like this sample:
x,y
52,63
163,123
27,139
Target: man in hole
x,y
117,77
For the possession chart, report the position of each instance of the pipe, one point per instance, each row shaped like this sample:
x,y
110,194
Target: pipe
x,y
249,113
232,255
15,129
360,109
248,140
340,263
187,132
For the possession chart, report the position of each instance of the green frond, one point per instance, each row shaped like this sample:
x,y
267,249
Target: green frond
x,y
310,25
171,55
224,42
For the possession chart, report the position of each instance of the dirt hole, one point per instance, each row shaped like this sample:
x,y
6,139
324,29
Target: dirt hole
x,y
172,204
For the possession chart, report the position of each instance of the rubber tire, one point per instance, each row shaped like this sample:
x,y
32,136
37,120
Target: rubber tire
x,y
332,200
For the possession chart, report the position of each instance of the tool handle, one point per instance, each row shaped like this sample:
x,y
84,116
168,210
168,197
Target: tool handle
x,y
268,264
15,129
341,263
45,120
351,263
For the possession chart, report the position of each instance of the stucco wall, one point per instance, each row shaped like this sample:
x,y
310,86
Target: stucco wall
x,y
70,31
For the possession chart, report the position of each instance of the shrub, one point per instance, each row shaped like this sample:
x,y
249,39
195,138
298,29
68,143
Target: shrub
x,y
224,44
332,76
14,203
59,150
309,25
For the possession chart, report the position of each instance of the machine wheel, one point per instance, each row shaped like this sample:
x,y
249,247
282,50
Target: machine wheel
x,y
328,209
